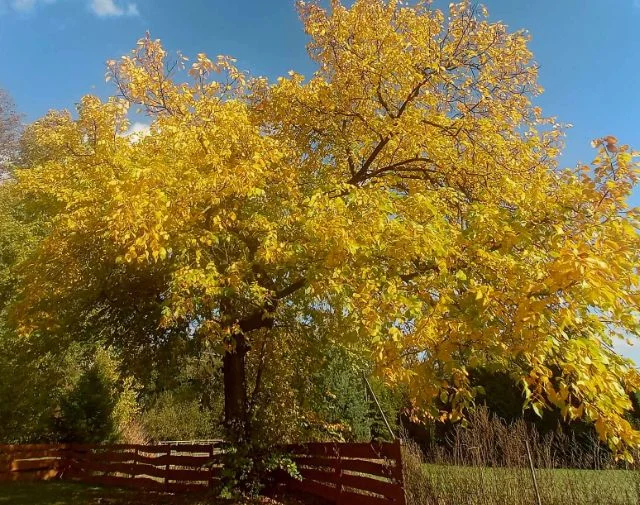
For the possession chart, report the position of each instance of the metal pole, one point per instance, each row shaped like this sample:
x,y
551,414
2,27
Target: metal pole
x,y
533,472
375,398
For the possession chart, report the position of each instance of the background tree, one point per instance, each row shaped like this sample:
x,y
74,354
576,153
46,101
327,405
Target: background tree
x,y
404,202
10,128
35,375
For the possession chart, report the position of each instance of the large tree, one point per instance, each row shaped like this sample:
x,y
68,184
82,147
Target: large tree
x,y
404,201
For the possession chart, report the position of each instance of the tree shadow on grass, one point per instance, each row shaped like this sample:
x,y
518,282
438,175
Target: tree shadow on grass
x,y
64,493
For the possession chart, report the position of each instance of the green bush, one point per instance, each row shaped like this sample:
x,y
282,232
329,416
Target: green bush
x,y
250,469
174,417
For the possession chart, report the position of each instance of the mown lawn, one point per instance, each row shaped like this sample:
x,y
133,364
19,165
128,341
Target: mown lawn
x,y
65,493
461,485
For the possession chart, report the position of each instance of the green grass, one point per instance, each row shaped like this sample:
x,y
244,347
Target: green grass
x,y
443,485
65,493
514,486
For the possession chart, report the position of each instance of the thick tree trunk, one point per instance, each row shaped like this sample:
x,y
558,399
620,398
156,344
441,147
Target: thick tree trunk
x,y
236,407
237,411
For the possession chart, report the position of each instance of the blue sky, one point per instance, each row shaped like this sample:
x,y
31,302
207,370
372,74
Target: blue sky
x,y
53,52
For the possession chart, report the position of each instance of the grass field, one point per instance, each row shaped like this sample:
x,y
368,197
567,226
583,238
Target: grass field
x,y
436,484
460,485
488,463
64,493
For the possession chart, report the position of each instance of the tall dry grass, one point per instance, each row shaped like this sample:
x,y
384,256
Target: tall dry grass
x,y
487,464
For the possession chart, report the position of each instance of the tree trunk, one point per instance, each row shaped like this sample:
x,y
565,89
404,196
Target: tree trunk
x,y
237,412
236,408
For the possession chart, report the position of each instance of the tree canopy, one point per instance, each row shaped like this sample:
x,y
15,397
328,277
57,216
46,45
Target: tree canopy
x,y
405,202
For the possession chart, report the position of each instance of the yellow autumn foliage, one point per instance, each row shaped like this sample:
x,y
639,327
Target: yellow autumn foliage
x,y
405,198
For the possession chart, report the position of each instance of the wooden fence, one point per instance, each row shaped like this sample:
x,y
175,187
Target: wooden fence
x,y
167,467
31,462
354,474
174,468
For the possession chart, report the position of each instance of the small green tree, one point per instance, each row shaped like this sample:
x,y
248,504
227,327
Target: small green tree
x,y
99,405
341,399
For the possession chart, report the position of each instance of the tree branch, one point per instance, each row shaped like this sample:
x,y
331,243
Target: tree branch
x,y
362,174
292,288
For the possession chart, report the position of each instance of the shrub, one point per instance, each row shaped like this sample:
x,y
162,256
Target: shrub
x,y
174,417
249,469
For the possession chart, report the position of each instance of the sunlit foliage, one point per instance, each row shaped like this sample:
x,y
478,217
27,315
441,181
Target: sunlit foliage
x,y
404,201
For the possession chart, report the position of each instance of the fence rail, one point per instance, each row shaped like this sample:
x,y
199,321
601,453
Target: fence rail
x,y
165,467
354,474
358,474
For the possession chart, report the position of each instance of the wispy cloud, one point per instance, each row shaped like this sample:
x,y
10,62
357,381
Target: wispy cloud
x,y
28,5
23,5
109,8
101,8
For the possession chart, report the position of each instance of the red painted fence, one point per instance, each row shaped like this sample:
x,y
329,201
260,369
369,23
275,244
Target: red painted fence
x,y
354,474
31,462
179,467
350,474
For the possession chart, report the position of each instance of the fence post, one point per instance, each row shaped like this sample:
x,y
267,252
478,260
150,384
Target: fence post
x,y
71,461
11,460
336,449
64,461
211,470
399,477
135,462
167,468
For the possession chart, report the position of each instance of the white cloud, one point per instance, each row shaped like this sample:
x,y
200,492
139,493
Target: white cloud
x,y
137,131
109,8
